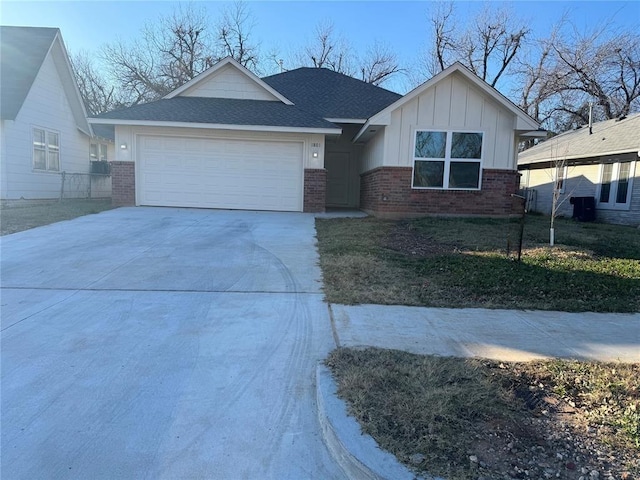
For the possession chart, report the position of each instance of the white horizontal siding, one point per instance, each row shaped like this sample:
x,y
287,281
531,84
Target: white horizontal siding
x,y
228,82
46,107
581,181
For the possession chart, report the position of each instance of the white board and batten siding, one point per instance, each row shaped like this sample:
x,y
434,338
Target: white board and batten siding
x,y
228,82
451,104
45,107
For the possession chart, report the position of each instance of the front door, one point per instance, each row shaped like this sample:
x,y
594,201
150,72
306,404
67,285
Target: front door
x,y
338,166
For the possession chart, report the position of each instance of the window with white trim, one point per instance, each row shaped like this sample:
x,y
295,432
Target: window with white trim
x,y
616,182
46,150
98,152
447,160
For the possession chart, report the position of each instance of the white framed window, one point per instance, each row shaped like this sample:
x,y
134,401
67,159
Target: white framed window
x,y
447,160
616,184
46,150
98,152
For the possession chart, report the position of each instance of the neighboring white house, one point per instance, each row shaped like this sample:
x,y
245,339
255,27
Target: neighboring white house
x,y
601,162
44,133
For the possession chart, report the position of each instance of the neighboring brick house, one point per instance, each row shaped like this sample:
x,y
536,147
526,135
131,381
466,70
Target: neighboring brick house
x,y
310,138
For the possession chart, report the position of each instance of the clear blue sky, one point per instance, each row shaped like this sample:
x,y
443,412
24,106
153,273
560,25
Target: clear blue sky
x,y
287,26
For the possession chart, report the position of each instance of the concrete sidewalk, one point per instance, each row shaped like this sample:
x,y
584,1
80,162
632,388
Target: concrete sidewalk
x,y
510,335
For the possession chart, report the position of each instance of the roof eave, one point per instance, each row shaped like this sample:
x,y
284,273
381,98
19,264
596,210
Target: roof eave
x,y
359,121
578,157
217,126
362,134
533,134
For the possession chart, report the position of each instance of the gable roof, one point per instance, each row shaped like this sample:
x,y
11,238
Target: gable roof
x,y
525,123
22,53
202,77
331,95
23,49
218,113
609,138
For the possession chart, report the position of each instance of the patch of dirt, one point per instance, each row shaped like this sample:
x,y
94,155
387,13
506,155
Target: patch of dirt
x,y
550,443
409,241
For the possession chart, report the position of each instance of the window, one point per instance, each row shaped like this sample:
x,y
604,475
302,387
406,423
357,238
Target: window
x,y
447,160
46,150
615,185
98,152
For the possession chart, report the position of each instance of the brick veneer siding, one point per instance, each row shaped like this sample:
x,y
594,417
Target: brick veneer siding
x,y
315,189
387,192
123,183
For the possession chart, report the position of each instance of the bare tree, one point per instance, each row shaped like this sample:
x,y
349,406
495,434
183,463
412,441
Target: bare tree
x,y
327,50
487,46
234,34
170,52
592,66
443,33
379,64
97,93
562,74
330,50
177,48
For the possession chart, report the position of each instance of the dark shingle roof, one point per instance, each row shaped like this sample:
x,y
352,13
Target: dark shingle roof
x,y
22,52
609,137
331,94
224,111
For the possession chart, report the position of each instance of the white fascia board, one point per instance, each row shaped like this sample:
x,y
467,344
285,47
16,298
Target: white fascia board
x,y
212,70
533,134
359,121
83,125
370,124
217,126
574,157
362,131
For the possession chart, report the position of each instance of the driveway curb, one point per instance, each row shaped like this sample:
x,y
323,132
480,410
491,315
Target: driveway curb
x,y
357,453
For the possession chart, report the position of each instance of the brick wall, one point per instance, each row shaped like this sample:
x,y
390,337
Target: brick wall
x,y
315,189
123,184
387,192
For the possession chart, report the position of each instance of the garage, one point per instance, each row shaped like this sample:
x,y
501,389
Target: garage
x,y
219,173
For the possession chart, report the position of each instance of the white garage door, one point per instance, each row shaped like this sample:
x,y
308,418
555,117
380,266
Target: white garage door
x,y
219,173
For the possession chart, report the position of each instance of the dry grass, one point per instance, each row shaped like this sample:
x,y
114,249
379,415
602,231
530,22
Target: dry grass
x,y
463,263
434,413
19,216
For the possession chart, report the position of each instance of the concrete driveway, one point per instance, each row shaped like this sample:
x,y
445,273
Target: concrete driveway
x,y
163,343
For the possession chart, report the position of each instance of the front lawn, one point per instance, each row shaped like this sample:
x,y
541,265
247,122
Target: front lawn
x,y
463,263
19,216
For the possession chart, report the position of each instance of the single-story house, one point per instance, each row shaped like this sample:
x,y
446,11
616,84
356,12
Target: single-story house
x,y
600,162
43,123
311,138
